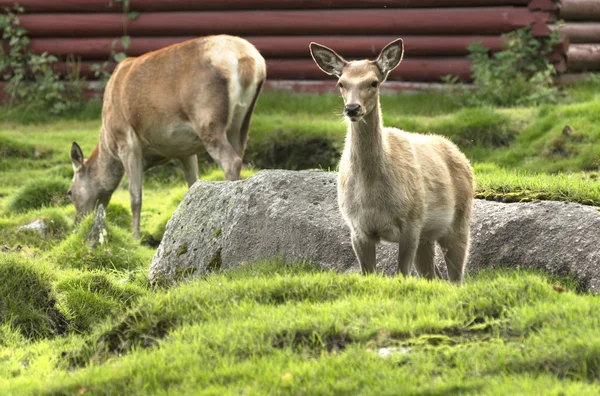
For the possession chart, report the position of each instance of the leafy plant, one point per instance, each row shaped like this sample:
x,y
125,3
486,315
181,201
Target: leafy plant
x,y
519,75
101,70
31,78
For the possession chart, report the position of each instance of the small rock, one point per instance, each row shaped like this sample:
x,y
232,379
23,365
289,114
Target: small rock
x,y
99,233
390,351
37,225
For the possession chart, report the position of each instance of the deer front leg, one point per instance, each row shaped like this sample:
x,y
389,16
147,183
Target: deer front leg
x,y
365,252
132,160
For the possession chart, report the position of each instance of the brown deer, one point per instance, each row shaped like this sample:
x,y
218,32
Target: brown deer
x,y
395,186
168,104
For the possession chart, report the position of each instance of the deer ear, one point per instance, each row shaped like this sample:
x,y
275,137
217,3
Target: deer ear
x,y
390,56
327,60
76,157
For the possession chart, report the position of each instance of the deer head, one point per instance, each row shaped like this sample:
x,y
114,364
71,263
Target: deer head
x,y
359,81
85,191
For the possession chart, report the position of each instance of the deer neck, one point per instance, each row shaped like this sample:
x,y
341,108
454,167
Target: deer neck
x,y
105,169
365,142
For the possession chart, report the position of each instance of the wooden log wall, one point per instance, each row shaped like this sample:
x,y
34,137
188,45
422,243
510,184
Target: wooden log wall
x,y
436,33
582,29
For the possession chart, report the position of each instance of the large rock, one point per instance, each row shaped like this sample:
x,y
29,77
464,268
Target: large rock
x,y
294,215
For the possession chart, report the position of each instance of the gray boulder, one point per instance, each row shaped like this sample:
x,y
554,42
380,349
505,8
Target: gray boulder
x,y
294,215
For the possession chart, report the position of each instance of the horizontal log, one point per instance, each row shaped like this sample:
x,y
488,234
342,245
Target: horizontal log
x,y
203,5
459,21
583,57
409,70
329,86
274,47
580,10
416,69
571,78
543,5
581,32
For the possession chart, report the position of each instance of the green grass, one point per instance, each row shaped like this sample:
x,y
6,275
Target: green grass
x,y
277,328
498,184
27,299
79,320
36,194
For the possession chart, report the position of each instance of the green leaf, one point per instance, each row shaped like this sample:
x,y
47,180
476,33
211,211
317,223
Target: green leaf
x,y
126,41
133,15
119,56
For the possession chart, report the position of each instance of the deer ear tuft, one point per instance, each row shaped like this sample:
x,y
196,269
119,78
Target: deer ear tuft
x,y
76,157
391,56
327,59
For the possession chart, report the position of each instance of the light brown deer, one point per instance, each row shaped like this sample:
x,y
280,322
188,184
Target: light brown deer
x,y
168,104
395,186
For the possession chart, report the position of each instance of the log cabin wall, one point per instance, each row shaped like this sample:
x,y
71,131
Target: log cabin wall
x,y
582,29
436,33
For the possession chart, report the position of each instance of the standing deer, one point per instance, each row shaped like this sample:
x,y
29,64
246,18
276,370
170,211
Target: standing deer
x,y
395,186
169,104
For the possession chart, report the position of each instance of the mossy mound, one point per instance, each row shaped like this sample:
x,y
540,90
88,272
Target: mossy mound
x,y
119,215
39,193
482,127
27,301
65,171
91,297
119,253
57,226
10,148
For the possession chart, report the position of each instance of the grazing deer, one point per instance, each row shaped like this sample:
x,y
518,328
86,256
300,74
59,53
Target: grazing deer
x,y
169,104
395,186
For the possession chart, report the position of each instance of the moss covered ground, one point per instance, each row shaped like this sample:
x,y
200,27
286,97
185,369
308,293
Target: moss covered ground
x,y
77,320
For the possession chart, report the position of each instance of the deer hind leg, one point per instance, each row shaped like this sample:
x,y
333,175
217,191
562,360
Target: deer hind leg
x,y
211,124
456,244
190,169
223,153
242,116
424,262
365,253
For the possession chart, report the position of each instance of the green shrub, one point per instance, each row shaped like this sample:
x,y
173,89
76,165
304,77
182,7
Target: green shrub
x,y
31,81
119,253
91,297
27,301
520,75
38,193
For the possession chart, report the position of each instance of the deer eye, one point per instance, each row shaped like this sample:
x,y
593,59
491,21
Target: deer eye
x,y
374,84
340,85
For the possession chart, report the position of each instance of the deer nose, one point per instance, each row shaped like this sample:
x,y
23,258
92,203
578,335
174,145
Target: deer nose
x,y
352,110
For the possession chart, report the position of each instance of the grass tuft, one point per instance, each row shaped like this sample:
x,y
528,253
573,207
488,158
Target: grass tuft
x,y
39,193
91,297
119,253
27,300
119,215
57,226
